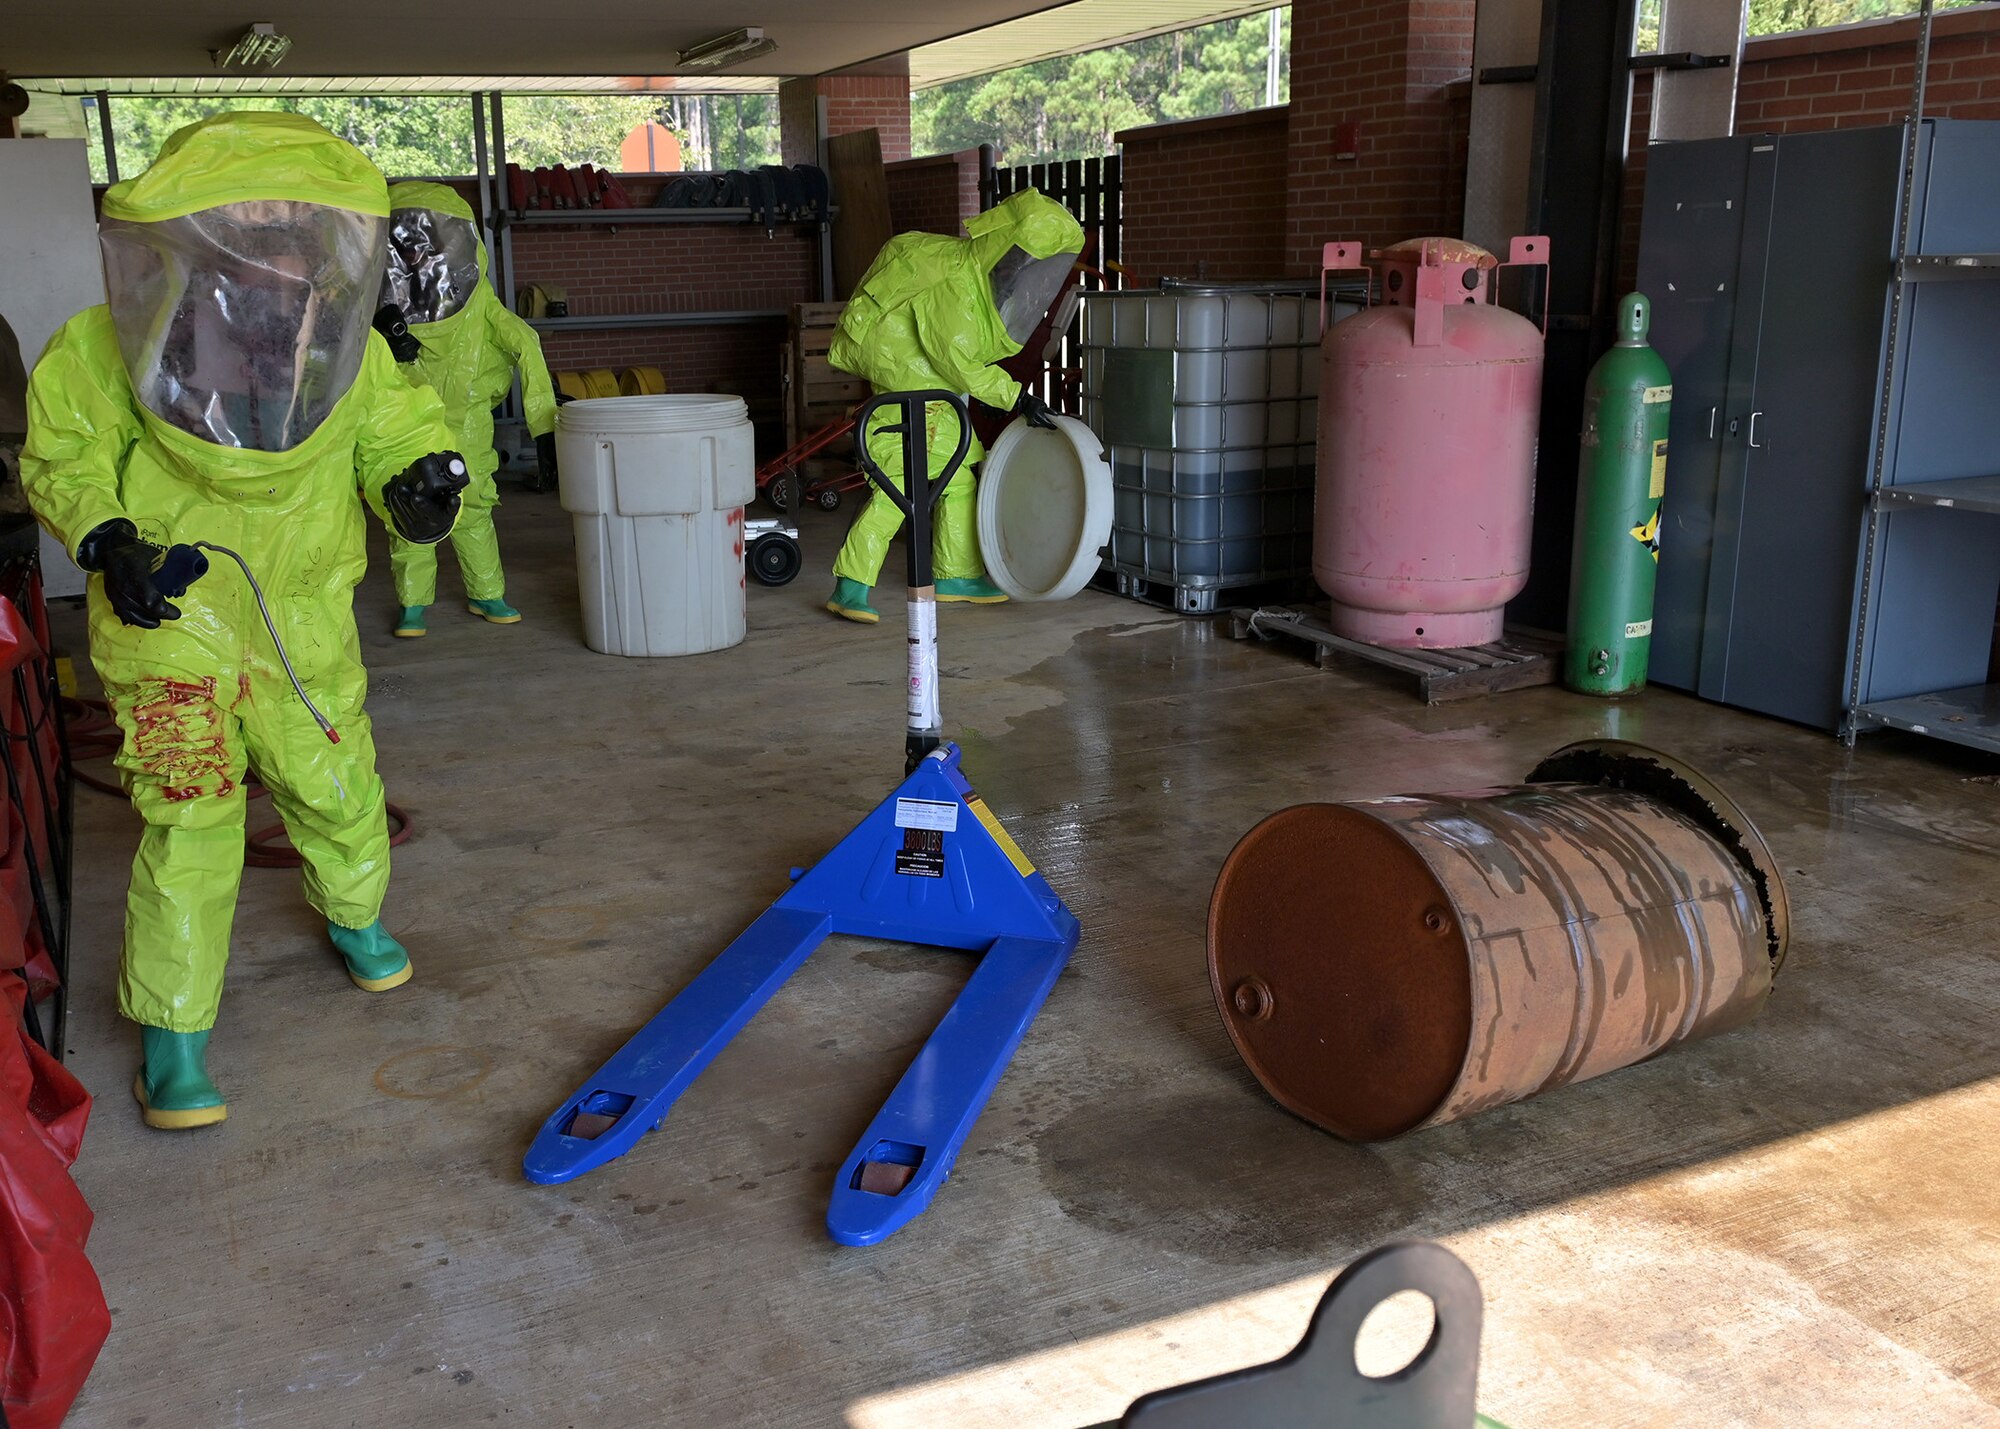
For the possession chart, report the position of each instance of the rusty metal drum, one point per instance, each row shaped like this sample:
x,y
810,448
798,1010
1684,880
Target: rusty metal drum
x,y
1395,963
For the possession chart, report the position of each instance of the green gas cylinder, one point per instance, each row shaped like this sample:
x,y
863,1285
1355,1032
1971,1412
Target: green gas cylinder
x,y
1620,480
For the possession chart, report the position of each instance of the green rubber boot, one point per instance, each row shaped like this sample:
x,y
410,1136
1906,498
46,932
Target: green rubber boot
x,y
374,960
496,611
979,590
411,626
849,601
173,1088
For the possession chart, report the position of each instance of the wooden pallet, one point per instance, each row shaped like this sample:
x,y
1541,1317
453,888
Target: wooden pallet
x,y
1518,659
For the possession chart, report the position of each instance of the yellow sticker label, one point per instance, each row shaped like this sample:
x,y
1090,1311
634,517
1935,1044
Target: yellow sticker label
x,y
1659,486
1658,394
1648,535
1000,835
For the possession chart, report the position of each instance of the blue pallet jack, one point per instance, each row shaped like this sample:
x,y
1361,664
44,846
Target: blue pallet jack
x,y
931,865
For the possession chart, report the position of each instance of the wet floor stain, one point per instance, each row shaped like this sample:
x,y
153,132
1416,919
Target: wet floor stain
x,y
432,1073
1214,1176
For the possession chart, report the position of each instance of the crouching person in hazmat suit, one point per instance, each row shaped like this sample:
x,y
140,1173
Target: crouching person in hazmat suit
x,y
232,393
451,334
939,312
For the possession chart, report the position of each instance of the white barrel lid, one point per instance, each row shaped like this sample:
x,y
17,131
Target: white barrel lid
x,y
656,413
1044,509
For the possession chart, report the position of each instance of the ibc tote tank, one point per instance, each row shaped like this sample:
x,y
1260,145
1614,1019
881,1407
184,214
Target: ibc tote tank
x,y
1427,421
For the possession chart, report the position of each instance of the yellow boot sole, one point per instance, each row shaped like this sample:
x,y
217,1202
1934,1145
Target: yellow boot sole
x,y
972,600
383,984
859,617
403,633
514,619
175,1120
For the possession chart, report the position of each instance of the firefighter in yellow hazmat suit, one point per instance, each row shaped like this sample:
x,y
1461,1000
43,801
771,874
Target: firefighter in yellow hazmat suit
x,y
230,392
933,311
462,343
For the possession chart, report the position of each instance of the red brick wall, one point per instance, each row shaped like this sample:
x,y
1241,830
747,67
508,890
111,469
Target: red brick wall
x,y
1632,197
1860,75
935,194
869,101
1206,198
673,267
1389,66
1846,78
853,101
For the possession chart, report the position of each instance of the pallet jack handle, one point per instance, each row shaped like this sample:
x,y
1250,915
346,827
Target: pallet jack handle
x,y
916,499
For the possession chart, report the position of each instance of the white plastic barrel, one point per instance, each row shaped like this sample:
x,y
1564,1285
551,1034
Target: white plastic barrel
x,y
656,487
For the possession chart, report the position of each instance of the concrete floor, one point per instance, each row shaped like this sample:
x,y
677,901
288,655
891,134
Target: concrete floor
x,y
1793,1224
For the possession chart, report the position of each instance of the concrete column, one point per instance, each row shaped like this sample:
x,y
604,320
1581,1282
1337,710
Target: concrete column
x,y
878,99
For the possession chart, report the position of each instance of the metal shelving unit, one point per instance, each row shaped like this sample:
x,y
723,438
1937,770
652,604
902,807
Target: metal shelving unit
x,y
488,111
1965,493
1917,267
613,217
1926,588
584,322
1969,715
567,217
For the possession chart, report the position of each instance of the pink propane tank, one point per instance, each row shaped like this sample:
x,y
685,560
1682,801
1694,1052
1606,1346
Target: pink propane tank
x,y
1428,409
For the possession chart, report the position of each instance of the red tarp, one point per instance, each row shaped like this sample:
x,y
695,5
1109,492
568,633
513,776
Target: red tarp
x,y
53,1319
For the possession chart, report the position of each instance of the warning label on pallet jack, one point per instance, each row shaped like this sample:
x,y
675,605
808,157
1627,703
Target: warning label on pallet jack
x,y
922,853
937,814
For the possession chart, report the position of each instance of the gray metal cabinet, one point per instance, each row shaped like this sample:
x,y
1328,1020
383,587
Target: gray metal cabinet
x,y
1768,261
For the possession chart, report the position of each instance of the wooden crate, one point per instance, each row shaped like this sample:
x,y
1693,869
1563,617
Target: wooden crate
x,y
816,392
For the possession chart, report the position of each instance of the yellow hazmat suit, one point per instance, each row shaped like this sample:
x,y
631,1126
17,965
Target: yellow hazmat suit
x,y
471,347
231,392
927,314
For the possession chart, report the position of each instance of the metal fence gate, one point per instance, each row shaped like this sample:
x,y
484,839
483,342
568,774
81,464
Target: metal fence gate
x,y
1090,189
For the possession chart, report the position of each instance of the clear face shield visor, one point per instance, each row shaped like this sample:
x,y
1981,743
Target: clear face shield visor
x,y
433,264
245,324
1024,286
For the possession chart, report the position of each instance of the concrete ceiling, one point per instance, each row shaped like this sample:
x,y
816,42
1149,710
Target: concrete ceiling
x,y
150,39
1064,30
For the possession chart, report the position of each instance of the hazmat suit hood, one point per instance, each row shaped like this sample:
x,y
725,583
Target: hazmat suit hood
x,y
435,258
925,313
1027,245
241,270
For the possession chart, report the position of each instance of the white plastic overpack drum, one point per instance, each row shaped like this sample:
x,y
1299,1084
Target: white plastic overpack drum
x,y
1044,509
656,487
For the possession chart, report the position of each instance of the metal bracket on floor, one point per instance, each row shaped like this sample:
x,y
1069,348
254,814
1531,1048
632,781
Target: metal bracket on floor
x,y
1319,1383
1519,660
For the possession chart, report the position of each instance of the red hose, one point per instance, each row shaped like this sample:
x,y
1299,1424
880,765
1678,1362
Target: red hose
x,y
263,849
93,734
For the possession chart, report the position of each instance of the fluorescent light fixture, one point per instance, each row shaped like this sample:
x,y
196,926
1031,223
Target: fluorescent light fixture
x,y
726,49
260,48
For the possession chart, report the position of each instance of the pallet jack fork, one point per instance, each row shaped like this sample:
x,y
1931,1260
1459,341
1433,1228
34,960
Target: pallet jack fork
x,y
930,865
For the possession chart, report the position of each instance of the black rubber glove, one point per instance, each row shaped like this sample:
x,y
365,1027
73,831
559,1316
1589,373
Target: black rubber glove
x,y
1035,410
138,575
423,501
545,459
402,345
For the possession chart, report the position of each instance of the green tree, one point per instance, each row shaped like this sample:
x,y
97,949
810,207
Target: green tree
x,y
411,136
1778,17
1073,106
405,135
